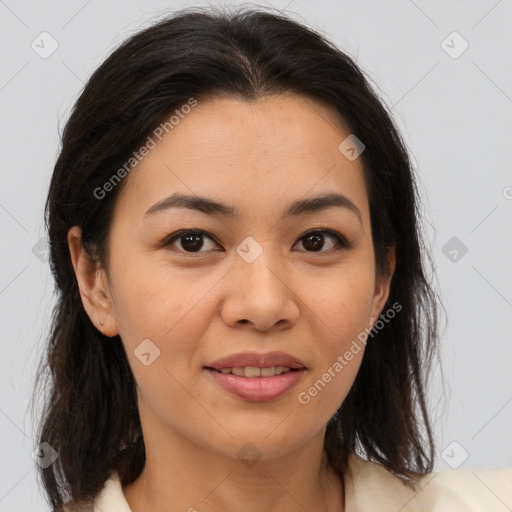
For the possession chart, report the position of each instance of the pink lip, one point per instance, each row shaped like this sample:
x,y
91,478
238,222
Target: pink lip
x,y
259,360
257,389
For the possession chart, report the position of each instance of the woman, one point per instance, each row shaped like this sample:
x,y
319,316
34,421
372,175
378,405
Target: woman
x,y
244,319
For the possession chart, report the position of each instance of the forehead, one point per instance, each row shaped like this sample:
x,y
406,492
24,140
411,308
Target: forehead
x,y
266,152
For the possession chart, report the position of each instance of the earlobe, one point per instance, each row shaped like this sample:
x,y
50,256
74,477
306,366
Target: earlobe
x,y
93,285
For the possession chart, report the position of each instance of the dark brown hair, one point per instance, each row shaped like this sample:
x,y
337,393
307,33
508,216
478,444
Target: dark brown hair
x,y
90,414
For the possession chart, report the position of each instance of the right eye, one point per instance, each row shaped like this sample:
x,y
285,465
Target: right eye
x,y
191,240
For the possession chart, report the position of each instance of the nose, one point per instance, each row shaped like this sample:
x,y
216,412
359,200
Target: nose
x,y
260,296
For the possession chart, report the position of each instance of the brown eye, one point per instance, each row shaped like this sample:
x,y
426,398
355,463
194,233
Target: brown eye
x,y
191,241
314,241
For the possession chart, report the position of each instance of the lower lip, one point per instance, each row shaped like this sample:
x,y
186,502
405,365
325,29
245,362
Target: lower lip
x,y
257,389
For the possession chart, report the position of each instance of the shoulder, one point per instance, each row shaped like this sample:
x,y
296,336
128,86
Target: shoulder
x,y
370,486
72,506
109,499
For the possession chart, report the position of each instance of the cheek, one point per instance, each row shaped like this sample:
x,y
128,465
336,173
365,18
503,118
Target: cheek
x,y
172,311
340,327
339,314
159,301
341,304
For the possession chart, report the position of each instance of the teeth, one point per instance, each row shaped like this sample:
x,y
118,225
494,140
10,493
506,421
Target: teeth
x,y
254,371
268,372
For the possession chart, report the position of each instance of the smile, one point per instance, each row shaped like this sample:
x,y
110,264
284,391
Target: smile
x,y
256,384
254,371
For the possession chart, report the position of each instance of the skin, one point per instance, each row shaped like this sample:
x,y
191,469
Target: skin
x,y
199,307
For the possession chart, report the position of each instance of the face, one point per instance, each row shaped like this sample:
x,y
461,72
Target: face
x,y
254,278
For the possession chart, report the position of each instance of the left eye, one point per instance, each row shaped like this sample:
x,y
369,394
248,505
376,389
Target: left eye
x,y
192,240
314,240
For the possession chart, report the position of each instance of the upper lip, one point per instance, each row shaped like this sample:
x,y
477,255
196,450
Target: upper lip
x,y
254,359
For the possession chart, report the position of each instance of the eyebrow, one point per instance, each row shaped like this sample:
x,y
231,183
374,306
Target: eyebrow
x,y
212,207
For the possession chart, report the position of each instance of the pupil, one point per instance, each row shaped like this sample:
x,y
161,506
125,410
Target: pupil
x,y
316,242
194,241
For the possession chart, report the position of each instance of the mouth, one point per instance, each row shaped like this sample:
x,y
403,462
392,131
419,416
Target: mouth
x,y
252,372
252,364
257,377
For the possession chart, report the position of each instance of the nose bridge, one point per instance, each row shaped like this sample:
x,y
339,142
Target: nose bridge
x,y
259,292
259,264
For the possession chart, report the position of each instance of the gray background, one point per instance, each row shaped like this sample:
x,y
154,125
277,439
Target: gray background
x,y
454,113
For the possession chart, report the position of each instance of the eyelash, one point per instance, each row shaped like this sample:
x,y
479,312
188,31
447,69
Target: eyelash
x,y
342,242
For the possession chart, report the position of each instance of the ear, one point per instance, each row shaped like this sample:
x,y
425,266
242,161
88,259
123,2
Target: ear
x,y
93,285
382,286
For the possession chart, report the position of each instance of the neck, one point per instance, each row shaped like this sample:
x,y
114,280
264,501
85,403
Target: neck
x,y
182,476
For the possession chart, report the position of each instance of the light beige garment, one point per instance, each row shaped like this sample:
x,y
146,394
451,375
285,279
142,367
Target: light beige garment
x,y
369,487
